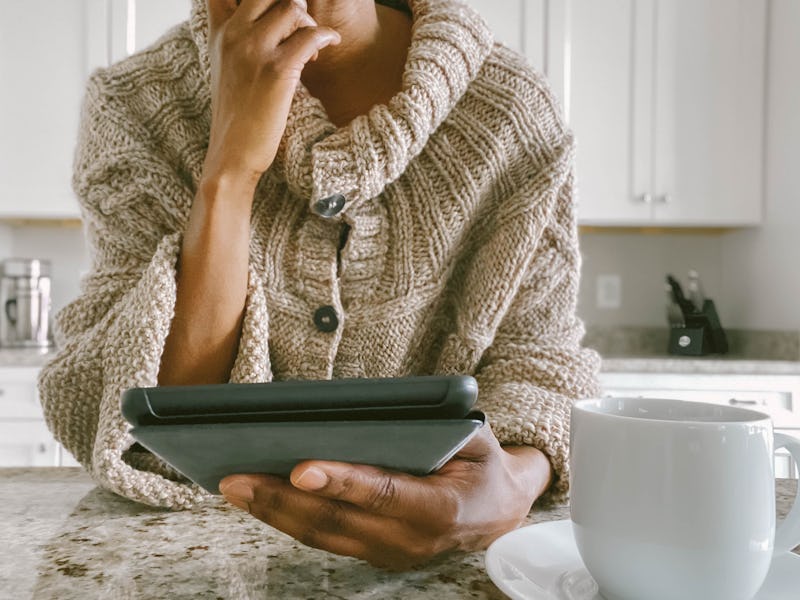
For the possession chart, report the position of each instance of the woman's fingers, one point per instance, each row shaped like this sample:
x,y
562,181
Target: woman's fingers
x,y
252,10
257,54
311,520
305,43
375,490
220,11
246,13
281,21
331,525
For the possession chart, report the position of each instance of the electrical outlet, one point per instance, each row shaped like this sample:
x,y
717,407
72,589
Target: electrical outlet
x,y
609,292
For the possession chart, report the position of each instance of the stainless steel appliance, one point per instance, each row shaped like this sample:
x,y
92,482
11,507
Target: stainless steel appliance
x,y
25,303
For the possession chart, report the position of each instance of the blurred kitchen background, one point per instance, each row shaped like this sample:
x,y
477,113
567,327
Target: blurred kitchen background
x,y
734,219
687,116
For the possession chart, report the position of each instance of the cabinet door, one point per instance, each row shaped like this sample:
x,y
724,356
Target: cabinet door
x,y
535,29
18,398
137,24
26,443
607,98
709,107
44,57
505,20
65,459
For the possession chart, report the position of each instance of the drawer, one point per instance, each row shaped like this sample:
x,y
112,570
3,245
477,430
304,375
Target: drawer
x,y
19,400
27,443
776,404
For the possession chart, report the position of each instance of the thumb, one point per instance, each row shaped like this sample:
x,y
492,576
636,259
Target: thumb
x,y
482,444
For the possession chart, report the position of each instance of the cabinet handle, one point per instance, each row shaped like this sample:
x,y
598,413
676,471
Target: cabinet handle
x,y
644,198
734,402
41,449
664,199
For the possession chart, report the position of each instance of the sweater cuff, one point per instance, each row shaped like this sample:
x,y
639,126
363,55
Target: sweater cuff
x,y
131,357
529,416
252,364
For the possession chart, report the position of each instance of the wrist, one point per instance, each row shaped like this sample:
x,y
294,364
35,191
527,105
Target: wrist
x,y
227,186
229,172
530,469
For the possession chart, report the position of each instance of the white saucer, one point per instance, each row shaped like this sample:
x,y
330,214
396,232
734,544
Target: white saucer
x,y
541,562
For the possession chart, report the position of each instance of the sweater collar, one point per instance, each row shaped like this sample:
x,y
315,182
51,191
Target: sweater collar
x,y
449,44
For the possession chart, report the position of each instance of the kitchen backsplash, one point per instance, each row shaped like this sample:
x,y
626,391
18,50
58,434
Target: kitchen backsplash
x,y
614,342
637,328
63,246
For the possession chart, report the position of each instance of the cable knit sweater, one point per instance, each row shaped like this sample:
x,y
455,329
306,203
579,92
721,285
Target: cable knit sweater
x,y
462,255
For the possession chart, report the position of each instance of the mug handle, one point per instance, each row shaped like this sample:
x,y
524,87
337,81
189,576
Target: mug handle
x,y
9,304
787,535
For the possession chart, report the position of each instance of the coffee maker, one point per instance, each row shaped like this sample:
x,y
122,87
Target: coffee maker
x,y
25,303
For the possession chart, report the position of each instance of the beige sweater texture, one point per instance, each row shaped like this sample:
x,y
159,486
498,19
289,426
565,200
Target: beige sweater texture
x,y
462,254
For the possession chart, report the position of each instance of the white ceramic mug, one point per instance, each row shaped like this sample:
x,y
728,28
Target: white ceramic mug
x,y
674,500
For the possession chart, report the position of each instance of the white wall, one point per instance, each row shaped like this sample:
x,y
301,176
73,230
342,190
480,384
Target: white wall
x,y
761,269
643,261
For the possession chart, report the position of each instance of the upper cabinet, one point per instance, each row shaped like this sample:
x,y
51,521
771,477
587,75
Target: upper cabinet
x,y
47,50
666,99
43,63
535,29
138,23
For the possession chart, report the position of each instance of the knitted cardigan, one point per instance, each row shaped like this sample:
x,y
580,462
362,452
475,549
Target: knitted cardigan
x,y
462,254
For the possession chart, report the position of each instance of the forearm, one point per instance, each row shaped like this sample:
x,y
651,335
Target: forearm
x,y
211,285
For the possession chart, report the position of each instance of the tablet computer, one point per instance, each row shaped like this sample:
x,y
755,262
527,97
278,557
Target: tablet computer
x,y
411,424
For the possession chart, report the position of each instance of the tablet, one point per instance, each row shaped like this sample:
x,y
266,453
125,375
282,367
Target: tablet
x,y
410,424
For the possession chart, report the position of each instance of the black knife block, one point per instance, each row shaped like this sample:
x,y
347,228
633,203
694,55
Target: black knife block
x,y
702,335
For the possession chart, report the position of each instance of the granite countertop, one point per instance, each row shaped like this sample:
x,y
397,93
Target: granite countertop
x,y
10,357
62,538
707,365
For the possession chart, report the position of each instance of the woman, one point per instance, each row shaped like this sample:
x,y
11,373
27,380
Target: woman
x,y
342,189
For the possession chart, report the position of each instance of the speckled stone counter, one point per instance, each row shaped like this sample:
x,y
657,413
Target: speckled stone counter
x,y
651,364
711,366
62,538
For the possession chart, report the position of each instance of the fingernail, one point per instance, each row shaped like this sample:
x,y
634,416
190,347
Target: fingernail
x,y
238,502
311,479
237,490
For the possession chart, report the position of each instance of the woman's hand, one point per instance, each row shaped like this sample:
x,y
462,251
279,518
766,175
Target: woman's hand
x,y
257,52
394,520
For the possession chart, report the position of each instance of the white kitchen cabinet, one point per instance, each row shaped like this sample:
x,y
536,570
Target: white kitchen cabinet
x,y
777,396
25,440
534,28
505,20
43,68
601,89
135,24
47,50
666,98
27,443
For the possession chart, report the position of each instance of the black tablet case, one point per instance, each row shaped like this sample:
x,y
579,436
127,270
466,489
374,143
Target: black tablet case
x,y
216,445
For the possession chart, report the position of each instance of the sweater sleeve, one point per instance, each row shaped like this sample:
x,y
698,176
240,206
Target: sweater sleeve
x,y
135,205
535,367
